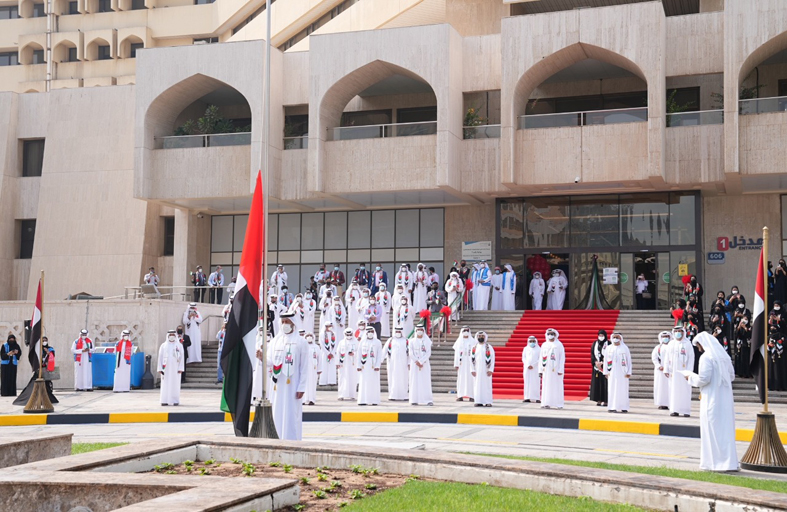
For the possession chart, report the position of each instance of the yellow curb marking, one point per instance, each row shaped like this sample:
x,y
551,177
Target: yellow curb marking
x,y
487,419
23,419
371,417
138,417
632,427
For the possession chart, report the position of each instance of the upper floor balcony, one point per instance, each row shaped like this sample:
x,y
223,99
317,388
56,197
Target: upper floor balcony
x,y
763,125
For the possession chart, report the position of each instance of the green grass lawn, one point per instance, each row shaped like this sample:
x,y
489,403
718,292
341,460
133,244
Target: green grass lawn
x,y
700,476
91,447
421,496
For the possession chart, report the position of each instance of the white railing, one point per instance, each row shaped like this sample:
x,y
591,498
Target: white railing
x,y
698,118
301,142
382,131
486,131
203,141
762,105
586,118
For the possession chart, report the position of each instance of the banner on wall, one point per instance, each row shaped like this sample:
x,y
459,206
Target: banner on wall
x,y
477,251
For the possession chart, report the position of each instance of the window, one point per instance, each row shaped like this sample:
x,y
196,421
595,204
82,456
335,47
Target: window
x,y
103,52
203,2
137,5
782,88
26,238
72,54
366,117
135,47
38,11
169,236
38,57
73,8
685,99
416,115
104,5
206,40
32,157
9,12
9,58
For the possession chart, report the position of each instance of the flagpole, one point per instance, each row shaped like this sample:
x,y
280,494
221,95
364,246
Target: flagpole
x,y
765,238
39,397
41,335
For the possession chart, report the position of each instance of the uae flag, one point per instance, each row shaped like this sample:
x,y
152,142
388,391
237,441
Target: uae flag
x,y
238,353
757,359
35,333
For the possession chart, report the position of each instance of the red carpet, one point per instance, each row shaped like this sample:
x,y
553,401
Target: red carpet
x,y
577,331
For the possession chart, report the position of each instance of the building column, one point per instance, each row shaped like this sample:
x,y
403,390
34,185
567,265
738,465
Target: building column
x,y
185,247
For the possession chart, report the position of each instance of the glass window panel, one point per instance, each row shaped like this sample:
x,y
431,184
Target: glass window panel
x,y
293,278
379,255
407,256
383,228
286,257
221,258
784,218
240,232
290,232
359,230
311,231
307,271
432,227
273,232
435,253
512,224
682,219
546,222
273,258
236,256
311,257
390,269
644,220
595,222
675,279
358,256
336,230
221,233
407,228
335,257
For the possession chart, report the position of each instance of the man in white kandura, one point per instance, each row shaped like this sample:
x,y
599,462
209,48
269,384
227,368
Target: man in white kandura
x,y
617,369
420,287
289,358
483,358
82,348
680,358
717,407
328,344
383,297
454,288
314,368
552,367
348,375
536,292
509,288
420,350
404,315
191,322
556,290
395,352
368,366
497,290
123,351
660,381
171,360
352,297
404,278
278,279
530,365
465,382
483,284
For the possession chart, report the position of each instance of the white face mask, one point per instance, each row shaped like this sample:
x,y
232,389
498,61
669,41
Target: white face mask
x,y
310,340
550,337
404,303
601,337
745,321
531,343
420,334
287,328
369,335
777,308
466,334
171,338
398,334
678,335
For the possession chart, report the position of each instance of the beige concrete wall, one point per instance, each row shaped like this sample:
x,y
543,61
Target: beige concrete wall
x,y
695,154
476,17
482,63
695,44
762,147
467,224
190,172
480,159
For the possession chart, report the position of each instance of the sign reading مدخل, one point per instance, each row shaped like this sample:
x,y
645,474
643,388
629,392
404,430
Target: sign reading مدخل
x,y
724,243
477,251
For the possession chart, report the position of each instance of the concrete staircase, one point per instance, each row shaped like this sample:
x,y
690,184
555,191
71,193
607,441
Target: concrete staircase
x,y
203,375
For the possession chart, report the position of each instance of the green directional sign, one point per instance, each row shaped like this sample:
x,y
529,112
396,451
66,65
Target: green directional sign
x,y
665,277
624,278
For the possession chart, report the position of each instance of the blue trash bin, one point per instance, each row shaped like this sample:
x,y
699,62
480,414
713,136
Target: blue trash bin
x,y
137,369
103,370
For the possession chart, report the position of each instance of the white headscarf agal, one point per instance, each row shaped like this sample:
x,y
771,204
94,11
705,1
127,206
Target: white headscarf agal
x,y
557,334
668,335
718,356
460,339
612,339
479,333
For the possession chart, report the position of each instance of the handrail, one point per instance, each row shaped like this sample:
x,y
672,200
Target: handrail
x,y
481,126
137,290
766,105
203,140
765,98
695,112
583,112
378,125
382,131
163,137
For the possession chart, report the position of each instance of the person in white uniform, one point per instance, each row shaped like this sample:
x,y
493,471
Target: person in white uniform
x,y
328,344
660,381
289,358
404,315
278,279
536,291
123,352
530,364
82,348
338,315
509,289
368,366
465,382
552,367
310,305
420,287
497,290
617,370
352,298
384,300
420,350
348,374
191,322
680,358
396,354
483,359
483,284
717,405
314,368
556,290
454,288
171,361
404,278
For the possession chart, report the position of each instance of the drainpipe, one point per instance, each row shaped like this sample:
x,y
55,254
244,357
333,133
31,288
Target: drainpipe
x,y
50,21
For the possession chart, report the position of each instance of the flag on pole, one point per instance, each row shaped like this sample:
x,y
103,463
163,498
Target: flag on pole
x,y
757,359
35,333
238,354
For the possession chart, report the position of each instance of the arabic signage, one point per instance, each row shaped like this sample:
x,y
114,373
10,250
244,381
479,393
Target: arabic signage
x,y
610,275
724,243
477,251
716,258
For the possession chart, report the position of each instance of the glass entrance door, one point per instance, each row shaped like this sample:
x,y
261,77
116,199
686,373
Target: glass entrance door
x,y
654,267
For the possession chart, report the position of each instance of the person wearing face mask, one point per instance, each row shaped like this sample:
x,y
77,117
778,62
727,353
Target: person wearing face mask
x,y
465,381
261,371
693,310
733,300
680,358
454,288
404,278
420,350
289,360
328,287
742,340
123,351
192,319
383,298
325,305
482,357
337,278
530,363
395,352
337,316
777,317
536,291
348,375
420,287
328,344
509,288
660,381
368,367
310,307
373,314
404,315
171,362
379,278
185,341
366,296
640,289
598,384
693,287
556,290
10,352
82,348
777,373
497,290
313,369
362,276
353,298
552,367
483,285
298,309
278,279
617,369
780,282
285,298
321,275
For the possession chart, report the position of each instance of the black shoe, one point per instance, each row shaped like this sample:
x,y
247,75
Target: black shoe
x,y
478,405
624,412
526,401
460,399
598,404
663,407
538,401
686,415
488,405
674,414
471,400
612,411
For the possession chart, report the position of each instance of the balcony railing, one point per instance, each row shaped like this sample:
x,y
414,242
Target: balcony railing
x,y
762,105
203,141
700,118
382,131
588,118
487,131
301,142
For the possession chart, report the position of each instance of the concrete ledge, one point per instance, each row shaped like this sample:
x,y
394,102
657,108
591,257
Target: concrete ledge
x,y
32,448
